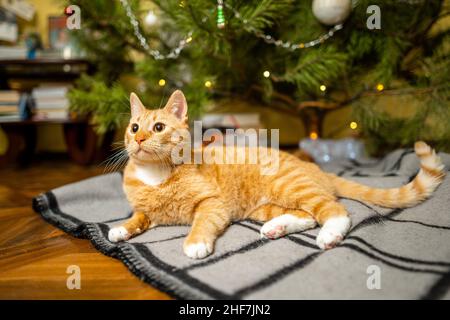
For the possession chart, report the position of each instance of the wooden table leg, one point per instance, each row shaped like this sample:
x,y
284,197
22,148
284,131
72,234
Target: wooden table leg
x,y
81,141
13,150
105,149
29,134
21,145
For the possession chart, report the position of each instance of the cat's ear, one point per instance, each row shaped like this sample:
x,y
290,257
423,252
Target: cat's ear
x,y
137,108
177,105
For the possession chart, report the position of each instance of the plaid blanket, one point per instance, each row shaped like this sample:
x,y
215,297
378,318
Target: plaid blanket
x,y
388,254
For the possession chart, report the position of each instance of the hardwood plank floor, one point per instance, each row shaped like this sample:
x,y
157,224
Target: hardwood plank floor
x,y
34,255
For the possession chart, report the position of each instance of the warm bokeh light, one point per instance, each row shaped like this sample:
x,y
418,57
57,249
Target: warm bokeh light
x,y
266,74
162,82
313,135
323,87
380,87
208,84
353,125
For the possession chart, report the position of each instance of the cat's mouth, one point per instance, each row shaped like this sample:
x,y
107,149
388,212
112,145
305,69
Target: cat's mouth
x,y
146,154
141,151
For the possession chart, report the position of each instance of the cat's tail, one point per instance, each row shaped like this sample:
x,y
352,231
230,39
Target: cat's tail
x,y
430,176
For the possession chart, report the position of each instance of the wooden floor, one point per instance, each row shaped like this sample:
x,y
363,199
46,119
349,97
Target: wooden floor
x,y
34,255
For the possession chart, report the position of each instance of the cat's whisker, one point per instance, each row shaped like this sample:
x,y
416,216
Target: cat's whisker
x,y
116,147
115,160
162,99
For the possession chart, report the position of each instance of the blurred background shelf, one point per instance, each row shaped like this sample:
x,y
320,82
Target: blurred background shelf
x,y
47,76
83,145
26,74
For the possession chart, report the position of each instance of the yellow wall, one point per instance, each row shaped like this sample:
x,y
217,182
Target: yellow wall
x,y
44,9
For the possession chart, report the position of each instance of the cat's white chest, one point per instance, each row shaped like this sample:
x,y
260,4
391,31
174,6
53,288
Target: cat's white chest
x,y
152,175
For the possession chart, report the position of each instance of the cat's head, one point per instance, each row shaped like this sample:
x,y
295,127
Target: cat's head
x,y
148,137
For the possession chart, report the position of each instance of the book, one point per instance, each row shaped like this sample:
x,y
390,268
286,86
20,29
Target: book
x,y
228,120
51,114
51,102
5,109
50,92
13,52
9,105
10,117
9,97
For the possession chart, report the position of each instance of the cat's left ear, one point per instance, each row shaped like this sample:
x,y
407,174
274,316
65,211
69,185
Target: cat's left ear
x,y
177,105
137,108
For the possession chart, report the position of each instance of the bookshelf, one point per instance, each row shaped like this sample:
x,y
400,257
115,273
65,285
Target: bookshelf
x,y
83,145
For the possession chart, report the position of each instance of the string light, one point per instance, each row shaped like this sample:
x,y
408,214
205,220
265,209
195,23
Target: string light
x,y
151,19
173,54
323,88
353,125
266,74
162,82
208,84
313,135
380,87
280,43
220,16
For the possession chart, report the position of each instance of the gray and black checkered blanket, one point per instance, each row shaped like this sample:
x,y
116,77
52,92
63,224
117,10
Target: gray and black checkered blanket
x,y
389,254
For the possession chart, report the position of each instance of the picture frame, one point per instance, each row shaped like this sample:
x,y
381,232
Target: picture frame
x,y
58,34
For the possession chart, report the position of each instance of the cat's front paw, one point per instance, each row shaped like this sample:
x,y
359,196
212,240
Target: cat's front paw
x,y
198,250
118,234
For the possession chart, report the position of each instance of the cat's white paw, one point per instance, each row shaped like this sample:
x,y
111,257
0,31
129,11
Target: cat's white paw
x,y
273,230
198,250
333,232
284,224
118,234
327,239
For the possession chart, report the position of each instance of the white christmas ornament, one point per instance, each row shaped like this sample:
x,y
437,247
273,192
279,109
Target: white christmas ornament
x,y
331,12
150,18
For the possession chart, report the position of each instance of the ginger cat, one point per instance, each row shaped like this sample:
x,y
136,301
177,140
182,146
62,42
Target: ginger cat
x,y
211,196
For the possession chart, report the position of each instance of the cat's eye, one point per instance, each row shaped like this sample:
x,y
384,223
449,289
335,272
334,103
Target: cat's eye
x,y
134,127
158,127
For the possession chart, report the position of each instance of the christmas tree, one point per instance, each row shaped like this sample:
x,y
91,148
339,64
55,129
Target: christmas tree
x,y
302,59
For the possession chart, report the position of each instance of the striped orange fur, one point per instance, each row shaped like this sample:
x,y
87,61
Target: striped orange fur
x,y
426,181
210,196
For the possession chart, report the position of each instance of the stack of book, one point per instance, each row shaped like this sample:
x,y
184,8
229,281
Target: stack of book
x,y
7,52
225,121
50,102
231,121
9,105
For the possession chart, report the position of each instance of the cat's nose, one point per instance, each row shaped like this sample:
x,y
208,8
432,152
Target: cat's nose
x,y
139,140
